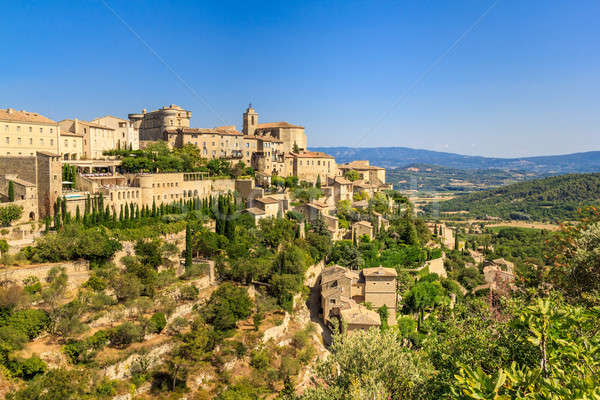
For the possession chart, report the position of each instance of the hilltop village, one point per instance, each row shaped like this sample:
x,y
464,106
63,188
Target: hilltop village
x,y
142,258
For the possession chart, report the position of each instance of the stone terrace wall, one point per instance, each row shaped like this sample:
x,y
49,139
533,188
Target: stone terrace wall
x,y
77,271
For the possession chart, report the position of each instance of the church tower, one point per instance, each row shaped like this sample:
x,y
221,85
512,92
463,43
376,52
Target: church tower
x,y
250,121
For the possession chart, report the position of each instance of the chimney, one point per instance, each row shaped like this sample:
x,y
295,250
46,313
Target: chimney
x,y
10,110
76,125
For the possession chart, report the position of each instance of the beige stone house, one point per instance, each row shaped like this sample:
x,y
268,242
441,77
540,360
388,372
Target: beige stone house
x,y
346,293
22,133
96,138
126,134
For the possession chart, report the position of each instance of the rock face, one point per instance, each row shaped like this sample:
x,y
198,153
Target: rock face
x,y
277,331
122,370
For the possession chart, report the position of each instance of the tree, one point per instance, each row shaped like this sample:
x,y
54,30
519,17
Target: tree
x,y
370,365
188,247
318,183
424,295
568,365
3,247
9,214
352,175
226,306
11,191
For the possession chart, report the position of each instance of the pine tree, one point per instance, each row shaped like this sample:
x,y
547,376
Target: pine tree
x,y
11,191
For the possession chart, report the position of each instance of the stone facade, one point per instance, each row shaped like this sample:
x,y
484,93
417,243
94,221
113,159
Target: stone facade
x,y
343,293
152,125
22,133
96,138
39,176
126,135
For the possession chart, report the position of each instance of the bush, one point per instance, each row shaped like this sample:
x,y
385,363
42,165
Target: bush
x,y
125,334
27,368
189,292
13,337
31,322
259,359
157,322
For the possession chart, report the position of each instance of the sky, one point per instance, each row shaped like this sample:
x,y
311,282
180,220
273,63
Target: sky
x,y
506,78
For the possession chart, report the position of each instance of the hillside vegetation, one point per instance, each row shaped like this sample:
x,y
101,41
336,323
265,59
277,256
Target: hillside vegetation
x,y
553,198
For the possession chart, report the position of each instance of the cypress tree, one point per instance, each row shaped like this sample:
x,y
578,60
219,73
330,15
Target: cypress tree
x,y
126,215
63,209
188,247
11,191
121,216
318,184
137,212
131,211
47,224
456,239
77,214
161,210
114,217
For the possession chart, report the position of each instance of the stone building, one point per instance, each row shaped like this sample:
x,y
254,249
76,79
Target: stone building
x,y
220,142
22,133
70,145
293,137
126,135
96,138
152,125
37,181
368,174
345,293
309,165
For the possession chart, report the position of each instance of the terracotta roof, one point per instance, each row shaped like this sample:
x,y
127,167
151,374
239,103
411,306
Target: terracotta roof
x,y
267,200
90,124
69,133
21,182
379,271
281,124
361,316
255,211
341,180
23,116
219,130
311,154
364,223
263,138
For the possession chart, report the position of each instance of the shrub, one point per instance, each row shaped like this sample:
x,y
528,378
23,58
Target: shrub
x,y
9,214
125,334
189,292
157,322
27,368
31,322
13,337
177,326
259,359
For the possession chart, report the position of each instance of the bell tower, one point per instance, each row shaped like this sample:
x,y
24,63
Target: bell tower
x,y
250,121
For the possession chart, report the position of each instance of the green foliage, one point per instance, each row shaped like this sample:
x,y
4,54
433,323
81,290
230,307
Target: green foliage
x,y
226,306
554,198
125,334
352,175
157,322
9,214
11,191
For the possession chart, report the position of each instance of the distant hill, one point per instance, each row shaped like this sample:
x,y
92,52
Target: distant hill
x,y
390,157
434,178
552,198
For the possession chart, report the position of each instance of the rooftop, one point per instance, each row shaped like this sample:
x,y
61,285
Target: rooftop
x,y
219,130
281,124
379,271
255,211
311,154
267,200
23,116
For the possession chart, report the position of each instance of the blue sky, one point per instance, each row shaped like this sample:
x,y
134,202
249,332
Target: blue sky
x,y
524,81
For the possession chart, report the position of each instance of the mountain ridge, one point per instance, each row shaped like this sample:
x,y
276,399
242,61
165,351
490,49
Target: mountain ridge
x,y
394,157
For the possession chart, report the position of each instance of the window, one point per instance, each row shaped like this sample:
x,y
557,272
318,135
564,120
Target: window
x,y
30,129
171,121
51,130
5,128
18,128
30,140
18,140
41,130
42,141
51,142
66,143
332,301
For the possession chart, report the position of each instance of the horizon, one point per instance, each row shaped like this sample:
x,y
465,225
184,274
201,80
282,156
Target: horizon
x,y
491,79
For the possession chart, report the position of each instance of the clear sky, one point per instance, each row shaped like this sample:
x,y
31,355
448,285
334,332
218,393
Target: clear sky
x,y
524,81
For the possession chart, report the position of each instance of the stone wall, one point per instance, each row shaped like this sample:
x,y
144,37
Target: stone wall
x,y
77,271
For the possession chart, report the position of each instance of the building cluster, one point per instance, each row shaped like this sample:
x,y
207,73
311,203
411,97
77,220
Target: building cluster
x,y
352,299
34,150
